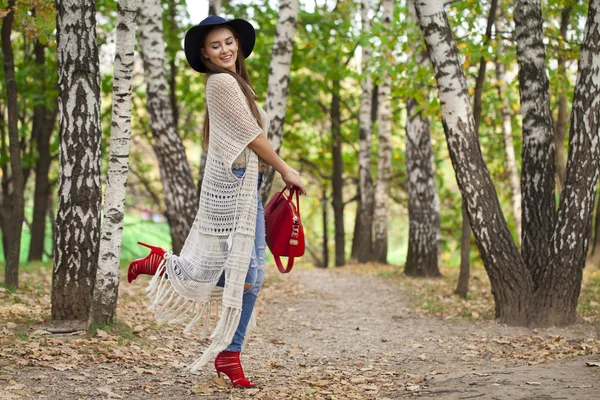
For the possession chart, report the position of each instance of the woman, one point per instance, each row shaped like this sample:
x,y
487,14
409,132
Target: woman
x,y
222,260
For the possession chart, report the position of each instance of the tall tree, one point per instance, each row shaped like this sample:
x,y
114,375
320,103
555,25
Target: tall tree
x,y
279,80
552,300
384,123
79,189
44,120
538,160
423,202
424,232
106,289
178,184
337,180
13,202
362,247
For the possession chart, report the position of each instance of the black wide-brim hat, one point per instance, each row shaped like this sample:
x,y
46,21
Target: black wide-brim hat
x,y
245,31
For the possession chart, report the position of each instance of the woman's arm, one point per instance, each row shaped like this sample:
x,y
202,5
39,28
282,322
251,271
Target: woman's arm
x,y
263,148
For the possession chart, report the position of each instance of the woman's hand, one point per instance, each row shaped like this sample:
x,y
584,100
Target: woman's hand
x,y
261,146
291,177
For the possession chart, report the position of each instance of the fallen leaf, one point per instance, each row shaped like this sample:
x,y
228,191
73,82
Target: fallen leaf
x,y
412,388
220,381
18,386
62,367
592,364
106,390
11,325
101,334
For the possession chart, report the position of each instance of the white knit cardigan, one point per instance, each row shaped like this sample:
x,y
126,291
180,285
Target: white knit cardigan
x,y
222,236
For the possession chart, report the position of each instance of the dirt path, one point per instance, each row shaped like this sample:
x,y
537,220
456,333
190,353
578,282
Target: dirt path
x,y
322,335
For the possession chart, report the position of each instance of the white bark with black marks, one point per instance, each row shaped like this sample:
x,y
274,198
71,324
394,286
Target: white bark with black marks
x,y
106,289
178,184
538,161
279,80
79,190
382,183
423,202
511,284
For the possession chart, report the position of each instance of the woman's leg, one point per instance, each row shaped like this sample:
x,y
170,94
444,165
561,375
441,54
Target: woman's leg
x,y
257,266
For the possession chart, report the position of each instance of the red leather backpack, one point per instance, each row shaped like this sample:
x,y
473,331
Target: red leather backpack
x,y
285,235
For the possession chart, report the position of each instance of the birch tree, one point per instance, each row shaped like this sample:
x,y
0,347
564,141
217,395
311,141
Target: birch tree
x,y
538,160
178,184
364,216
107,277
13,202
279,80
79,190
424,232
552,298
423,202
382,184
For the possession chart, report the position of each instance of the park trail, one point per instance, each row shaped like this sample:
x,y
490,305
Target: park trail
x,y
321,334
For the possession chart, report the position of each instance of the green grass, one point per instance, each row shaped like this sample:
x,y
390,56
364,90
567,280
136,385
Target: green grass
x,y
134,229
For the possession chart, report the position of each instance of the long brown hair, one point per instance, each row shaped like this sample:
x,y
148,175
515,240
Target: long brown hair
x,y
242,78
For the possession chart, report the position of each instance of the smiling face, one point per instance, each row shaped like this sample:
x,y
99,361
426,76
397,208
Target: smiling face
x,y
221,47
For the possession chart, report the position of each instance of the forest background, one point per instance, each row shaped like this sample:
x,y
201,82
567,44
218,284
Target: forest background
x,y
322,132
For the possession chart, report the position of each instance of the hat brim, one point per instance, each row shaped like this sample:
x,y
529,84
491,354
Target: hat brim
x,y
245,30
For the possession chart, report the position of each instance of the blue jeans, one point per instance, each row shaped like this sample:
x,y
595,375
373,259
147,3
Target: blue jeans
x,y
256,271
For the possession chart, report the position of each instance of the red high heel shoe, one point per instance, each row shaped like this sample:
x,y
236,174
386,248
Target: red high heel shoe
x,y
228,362
147,265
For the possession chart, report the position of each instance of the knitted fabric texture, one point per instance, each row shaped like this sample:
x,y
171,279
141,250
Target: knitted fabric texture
x,y
222,236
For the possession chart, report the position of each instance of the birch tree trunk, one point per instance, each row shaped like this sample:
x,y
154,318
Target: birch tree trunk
x,y
382,184
561,284
511,285
423,202
13,218
79,189
510,159
364,232
176,176
279,81
106,289
538,161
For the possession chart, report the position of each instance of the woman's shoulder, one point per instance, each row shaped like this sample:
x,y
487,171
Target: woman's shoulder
x,y
221,79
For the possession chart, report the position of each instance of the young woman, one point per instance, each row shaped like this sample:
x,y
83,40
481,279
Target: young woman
x,y
222,260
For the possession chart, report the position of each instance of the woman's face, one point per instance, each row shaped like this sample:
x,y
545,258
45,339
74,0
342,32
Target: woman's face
x,y
221,47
